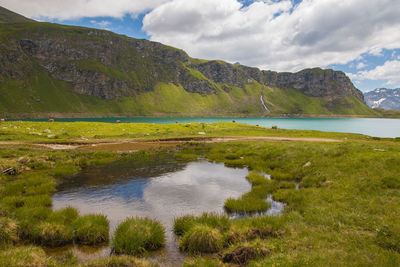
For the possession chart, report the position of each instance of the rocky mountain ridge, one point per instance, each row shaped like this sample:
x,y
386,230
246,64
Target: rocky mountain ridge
x,y
109,66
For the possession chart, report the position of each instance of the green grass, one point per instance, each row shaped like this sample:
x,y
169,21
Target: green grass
x,y
67,132
91,229
121,260
202,239
137,235
242,254
183,224
24,256
52,234
203,262
66,215
253,201
8,231
345,212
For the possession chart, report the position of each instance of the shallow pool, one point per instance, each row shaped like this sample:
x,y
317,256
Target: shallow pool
x,y
162,191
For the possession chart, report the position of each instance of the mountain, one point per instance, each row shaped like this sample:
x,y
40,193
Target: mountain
x,y
383,98
49,69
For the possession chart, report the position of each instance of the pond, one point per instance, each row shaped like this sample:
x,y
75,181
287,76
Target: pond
x,y
163,190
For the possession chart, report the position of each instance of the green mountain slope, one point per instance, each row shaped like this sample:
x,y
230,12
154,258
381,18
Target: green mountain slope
x,y
56,70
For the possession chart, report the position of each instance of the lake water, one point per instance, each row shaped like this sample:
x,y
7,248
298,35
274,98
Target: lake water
x,y
161,190
368,126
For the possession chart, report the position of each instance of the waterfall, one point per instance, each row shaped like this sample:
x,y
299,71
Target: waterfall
x,y
263,104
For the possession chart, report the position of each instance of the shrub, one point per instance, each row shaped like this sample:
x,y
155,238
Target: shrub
x,y
8,231
202,239
28,256
52,234
91,229
122,261
137,235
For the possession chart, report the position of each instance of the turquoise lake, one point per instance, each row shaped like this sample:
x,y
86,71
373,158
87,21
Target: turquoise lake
x,y
368,126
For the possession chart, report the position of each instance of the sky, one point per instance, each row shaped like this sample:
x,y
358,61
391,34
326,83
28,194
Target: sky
x,y
359,37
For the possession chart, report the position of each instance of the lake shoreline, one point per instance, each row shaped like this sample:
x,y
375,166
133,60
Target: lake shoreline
x,y
38,116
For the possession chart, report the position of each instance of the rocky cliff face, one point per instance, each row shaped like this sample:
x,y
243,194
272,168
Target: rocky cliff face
x,y
314,82
109,66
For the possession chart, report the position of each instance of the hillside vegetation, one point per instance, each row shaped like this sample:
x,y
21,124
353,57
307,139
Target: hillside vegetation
x,y
56,70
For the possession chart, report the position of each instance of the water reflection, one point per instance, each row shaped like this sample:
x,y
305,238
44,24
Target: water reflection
x,y
162,191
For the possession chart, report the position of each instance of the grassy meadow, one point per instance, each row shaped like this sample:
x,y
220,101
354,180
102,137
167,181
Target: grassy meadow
x,y
345,211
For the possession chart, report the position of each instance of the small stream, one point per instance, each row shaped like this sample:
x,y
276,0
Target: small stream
x,y
162,191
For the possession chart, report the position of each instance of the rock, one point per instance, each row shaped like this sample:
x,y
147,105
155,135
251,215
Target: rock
x,y
51,135
10,171
202,133
47,131
315,82
308,164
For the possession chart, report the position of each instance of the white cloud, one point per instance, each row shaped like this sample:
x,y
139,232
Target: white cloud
x,y
269,34
73,9
388,71
276,35
101,24
361,65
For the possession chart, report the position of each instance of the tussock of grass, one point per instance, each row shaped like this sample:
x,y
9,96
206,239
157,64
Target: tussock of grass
x,y
66,215
138,235
253,201
120,261
243,253
25,257
183,224
214,220
52,234
246,204
202,239
8,231
91,229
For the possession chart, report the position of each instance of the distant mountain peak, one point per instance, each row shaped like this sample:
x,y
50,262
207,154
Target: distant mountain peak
x,y
384,98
